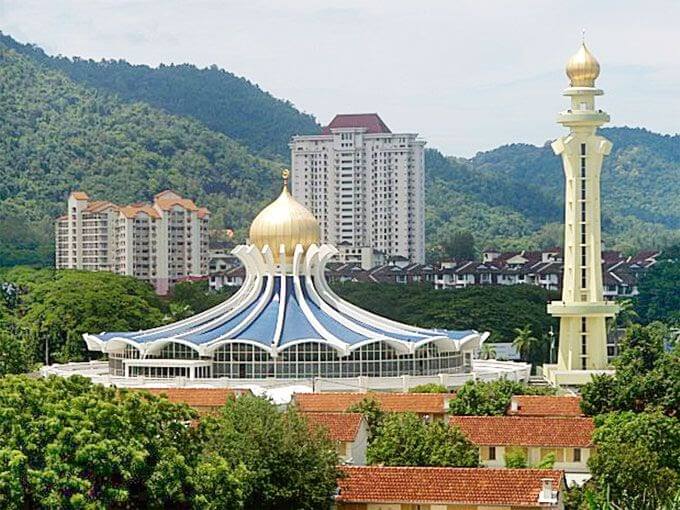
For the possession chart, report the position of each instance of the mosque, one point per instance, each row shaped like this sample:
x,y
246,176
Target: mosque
x,y
285,322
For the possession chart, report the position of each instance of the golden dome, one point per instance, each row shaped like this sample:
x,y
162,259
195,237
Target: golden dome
x,y
583,68
285,221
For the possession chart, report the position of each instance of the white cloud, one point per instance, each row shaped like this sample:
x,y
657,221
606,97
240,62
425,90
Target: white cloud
x,y
467,75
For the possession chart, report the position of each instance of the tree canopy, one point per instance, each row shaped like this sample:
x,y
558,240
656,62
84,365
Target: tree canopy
x,y
497,309
480,398
405,439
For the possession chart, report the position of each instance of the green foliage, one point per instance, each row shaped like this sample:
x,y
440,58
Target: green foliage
x,y
429,388
373,414
498,309
525,343
197,295
219,99
459,246
289,467
490,398
58,311
405,439
659,298
14,356
636,454
515,458
56,136
65,443
547,462
647,375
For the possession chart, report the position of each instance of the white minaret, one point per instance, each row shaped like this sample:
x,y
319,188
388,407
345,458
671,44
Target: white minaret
x,y
582,310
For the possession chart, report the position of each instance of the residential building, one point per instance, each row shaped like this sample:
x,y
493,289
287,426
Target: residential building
x,y
545,405
364,184
569,439
161,243
441,488
349,432
428,405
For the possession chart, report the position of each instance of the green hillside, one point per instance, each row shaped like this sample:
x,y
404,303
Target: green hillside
x,y
221,100
513,196
61,128
56,136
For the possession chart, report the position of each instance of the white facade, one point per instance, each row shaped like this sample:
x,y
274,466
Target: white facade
x,y
159,243
364,184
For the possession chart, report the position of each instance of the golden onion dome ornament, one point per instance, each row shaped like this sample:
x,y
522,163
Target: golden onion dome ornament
x,y
583,68
284,222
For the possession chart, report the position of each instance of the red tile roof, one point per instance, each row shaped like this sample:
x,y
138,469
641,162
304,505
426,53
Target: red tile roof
x,y
79,195
197,397
422,403
471,486
544,405
371,121
340,426
526,430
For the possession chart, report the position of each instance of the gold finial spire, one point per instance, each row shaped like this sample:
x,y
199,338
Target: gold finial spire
x,y
284,222
583,68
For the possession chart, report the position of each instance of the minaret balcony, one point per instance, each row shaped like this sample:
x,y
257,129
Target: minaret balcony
x,y
575,118
584,308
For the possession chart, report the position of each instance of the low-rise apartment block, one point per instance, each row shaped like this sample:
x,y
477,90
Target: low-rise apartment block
x,y
440,488
568,439
162,242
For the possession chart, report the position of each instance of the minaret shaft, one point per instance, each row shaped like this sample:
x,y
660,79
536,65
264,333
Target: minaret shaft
x,y
582,310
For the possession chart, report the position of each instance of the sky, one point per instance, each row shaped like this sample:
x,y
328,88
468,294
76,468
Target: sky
x,y
467,76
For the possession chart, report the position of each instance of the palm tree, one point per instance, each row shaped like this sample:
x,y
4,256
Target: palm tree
x,y
488,351
525,342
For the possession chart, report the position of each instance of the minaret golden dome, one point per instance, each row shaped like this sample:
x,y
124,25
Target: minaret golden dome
x,y
285,221
583,68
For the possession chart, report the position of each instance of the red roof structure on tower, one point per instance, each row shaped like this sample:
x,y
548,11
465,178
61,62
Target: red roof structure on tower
x,y
371,121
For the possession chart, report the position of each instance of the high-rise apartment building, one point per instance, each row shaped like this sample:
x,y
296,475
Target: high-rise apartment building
x,y
364,184
161,242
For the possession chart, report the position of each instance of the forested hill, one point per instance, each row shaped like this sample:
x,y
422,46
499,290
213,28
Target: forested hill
x,y
219,99
56,136
513,196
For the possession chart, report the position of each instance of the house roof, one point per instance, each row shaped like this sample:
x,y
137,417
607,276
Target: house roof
x,y
79,195
546,405
340,426
471,486
100,205
130,211
422,403
526,430
197,397
371,121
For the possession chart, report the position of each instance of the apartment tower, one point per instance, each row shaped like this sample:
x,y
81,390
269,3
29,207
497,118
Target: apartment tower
x,y
161,242
364,184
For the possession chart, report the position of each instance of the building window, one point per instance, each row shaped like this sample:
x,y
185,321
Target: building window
x,y
577,455
492,453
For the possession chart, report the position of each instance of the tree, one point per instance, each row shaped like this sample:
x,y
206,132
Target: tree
x,y
459,245
636,456
488,351
370,408
429,388
66,443
658,298
515,458
525,342
58,311
197,297
14,358
289,465
647,375
405,439
490,398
